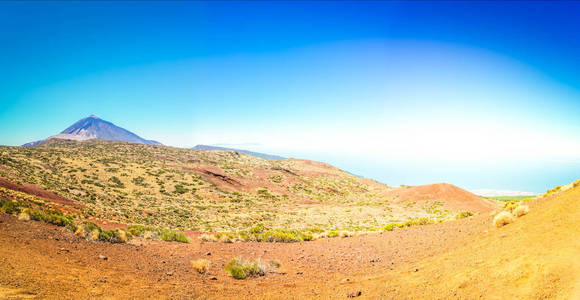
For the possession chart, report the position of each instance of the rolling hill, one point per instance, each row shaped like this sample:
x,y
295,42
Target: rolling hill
x,y
216,191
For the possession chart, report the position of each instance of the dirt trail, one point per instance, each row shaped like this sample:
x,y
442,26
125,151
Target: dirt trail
x,y
536,257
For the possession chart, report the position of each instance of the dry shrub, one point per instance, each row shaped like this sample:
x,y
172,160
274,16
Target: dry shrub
x,y
521,210
275,263
344,234
510,206
201,265
123,236
24,216
240,268
208,237
503,218
80,232
148,235
226,239
94,235
463,215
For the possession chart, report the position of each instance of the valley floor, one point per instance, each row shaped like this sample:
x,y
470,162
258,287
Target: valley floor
x,y
537,257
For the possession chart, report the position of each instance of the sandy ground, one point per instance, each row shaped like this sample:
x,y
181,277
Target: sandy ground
x,y
537,257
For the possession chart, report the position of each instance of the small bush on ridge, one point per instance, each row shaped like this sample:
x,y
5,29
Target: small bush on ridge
x,y
503,218
521,210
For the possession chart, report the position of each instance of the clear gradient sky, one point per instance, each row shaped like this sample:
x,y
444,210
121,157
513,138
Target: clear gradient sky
x,y
480,94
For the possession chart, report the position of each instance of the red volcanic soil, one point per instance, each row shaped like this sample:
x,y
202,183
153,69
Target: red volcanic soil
x,y
40,260
35,190
536,257
455,198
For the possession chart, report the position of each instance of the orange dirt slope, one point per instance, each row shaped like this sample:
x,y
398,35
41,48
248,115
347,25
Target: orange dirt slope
x,y
537,257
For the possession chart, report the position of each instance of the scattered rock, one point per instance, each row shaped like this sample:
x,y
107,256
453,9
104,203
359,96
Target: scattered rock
x,y
345,280
213,278
502,236
103,257
416,270
354,294
169,273
208,253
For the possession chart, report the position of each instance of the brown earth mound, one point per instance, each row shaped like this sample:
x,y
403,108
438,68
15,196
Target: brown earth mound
x,y
453,197
35,190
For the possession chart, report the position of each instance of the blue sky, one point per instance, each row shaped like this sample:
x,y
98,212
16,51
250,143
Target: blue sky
x,y
480,94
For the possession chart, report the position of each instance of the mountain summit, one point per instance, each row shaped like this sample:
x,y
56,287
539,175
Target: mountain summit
x,y
95,128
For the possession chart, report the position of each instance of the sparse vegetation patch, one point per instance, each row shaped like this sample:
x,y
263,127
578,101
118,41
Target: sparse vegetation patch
x,y
240,268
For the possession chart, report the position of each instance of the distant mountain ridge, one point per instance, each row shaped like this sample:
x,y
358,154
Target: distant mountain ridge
x,y
256,154
93,127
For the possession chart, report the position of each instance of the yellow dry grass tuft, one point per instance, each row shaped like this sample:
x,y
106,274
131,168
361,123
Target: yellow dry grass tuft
x,y
201,265
521,210
24,216
208,237
503,218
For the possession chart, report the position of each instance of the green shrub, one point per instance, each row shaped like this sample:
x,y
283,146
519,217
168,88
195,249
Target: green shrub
x,y
169,236
552,191
10,207
510,205
116,182
164,234
418,221
276,178
51,217
392,226
90,226
139,230
113,236
316,230
257,229
285,236
240,268
179,189
332,234
139,181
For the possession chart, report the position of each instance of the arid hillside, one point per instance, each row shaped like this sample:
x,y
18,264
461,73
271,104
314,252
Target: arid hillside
x,y
218,191
535,257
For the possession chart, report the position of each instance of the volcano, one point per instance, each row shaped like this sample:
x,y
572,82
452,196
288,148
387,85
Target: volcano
x,y
95,128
